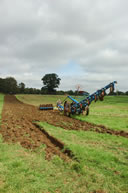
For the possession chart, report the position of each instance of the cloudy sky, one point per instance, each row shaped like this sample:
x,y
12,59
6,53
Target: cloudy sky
x,y
84,41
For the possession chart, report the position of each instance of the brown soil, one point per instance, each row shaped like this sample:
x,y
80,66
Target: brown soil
x,y
18,126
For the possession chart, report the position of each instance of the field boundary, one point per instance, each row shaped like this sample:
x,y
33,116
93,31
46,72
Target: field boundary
x,y
57,143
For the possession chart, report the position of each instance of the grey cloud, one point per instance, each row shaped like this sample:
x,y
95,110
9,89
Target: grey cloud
x,y
38,37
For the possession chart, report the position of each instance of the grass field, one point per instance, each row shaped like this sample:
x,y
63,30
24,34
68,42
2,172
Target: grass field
x,y
1,104
22,170
103,158
40,99
112,112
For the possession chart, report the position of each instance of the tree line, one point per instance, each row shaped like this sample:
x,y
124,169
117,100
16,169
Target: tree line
x,y
10,85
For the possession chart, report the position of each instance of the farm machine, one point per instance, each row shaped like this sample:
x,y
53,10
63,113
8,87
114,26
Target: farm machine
x,y
82,106
46,107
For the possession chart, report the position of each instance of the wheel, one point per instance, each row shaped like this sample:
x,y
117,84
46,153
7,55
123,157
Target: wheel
x,y
67,109
87,110
101,98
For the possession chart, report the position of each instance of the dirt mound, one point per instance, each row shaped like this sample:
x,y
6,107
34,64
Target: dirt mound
x,y
18,126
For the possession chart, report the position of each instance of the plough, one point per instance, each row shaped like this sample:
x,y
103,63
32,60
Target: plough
x,y
82,107
46,107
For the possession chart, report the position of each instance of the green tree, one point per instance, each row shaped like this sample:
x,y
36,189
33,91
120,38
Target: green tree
x,y
10,85
2,84
51,81
22,87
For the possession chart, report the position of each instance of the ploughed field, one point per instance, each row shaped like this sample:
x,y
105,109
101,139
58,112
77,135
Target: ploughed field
x,y
19,125
84,156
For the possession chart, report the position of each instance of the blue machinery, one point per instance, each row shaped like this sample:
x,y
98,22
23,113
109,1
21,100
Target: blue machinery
x,y
76,107
46,107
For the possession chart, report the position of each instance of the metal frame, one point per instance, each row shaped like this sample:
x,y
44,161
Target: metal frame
x,y
79,107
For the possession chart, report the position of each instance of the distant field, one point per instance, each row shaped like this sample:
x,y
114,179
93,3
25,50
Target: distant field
x,y
40,99
112,112
1,104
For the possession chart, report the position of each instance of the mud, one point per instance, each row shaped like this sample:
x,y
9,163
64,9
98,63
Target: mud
x,y
18,126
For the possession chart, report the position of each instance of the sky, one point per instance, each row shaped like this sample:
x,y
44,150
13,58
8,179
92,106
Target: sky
x,y
85,42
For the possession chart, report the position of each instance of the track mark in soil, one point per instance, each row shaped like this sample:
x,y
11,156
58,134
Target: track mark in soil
x,y
57,143
17,126
73,124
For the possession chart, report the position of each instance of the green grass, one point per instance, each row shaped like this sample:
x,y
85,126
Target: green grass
x,y
103,158
40,99
112,112
28,172
1,104
102,166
